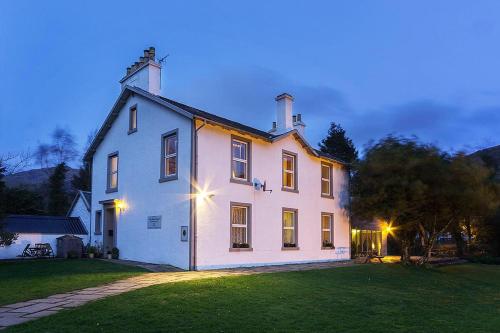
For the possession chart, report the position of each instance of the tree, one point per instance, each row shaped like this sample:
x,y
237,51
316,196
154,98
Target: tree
x,y
62,149
338,144
81,181
6,237
421,190
58,198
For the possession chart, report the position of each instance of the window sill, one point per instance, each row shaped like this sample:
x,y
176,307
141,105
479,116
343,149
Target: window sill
x,y
240,249
290,248
167,179
132,131
327,196
290,190
328,248
112,190
240,181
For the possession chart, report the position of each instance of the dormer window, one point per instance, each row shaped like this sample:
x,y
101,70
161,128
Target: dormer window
x,y
240,160
132,123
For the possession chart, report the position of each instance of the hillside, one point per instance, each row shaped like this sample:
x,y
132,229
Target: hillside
x,y
35,178
490,156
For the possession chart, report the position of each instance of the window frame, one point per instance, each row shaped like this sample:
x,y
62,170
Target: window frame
x,y
132,110
110,189
330,215
98,222
330,174
248,226
295,177
164,157
248,162
295,228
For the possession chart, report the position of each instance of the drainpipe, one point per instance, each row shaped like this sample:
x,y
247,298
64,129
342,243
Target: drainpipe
x,y
193,201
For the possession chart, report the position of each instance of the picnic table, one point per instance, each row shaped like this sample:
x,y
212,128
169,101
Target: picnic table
x,y
40,250
369,255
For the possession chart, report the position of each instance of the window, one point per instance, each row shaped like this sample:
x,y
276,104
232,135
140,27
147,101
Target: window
x,y
240,160
289,172
326,231
289,228
97,222
240,226
132,123
169,146
112,172
326,180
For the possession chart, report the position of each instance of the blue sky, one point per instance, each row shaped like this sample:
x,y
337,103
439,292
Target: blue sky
x,y
425,68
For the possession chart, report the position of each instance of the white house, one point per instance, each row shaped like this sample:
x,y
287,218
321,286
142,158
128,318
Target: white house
x,y
177,185
80,207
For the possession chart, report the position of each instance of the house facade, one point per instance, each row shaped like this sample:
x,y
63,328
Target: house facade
x,y
177,185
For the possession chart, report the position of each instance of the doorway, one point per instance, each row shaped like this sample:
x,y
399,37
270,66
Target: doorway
x,y
109,236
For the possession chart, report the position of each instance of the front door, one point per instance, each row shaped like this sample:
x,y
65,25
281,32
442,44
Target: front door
x,y
109,236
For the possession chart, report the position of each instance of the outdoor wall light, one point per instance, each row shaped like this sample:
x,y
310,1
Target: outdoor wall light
x,y
120,204
202,194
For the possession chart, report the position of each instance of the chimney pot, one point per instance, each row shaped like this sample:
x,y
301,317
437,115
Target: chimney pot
x,y
294,119
146,54
299,117
274,125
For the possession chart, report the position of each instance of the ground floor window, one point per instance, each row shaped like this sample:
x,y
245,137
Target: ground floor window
x,y
289,228
240,225
366,242
326,230
97,222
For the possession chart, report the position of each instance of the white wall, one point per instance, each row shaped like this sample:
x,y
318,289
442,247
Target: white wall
x,y
138,186
213,225
11,252
80,210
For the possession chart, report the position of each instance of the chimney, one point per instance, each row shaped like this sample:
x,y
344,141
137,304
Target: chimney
x,y
298,124
284,118
145,73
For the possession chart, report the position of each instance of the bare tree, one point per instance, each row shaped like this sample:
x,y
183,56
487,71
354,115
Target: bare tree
x,y
63,146
15,162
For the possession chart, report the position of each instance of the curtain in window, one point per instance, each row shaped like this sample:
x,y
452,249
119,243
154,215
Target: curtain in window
x,y
239,225
289,227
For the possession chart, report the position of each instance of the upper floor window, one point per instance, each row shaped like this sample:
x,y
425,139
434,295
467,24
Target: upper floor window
x,y
289,228
112,184
169,146
240,226
289,169
132,121
326,180
240,160
327,230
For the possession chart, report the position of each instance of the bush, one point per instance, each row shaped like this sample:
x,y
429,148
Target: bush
x,y
92,249
115,253
488,260
73,254
241,245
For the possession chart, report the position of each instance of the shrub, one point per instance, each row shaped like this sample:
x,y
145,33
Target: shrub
x,y
241,245
289,245
115,253
92,249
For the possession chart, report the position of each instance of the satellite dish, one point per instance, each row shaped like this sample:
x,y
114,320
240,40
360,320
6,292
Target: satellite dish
x,y
257,184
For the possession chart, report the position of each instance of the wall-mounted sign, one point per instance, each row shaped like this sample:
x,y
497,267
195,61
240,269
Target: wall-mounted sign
x,y
184,234
154,222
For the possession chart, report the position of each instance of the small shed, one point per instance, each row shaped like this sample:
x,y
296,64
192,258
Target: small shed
x,y
67,244
34,229
80,207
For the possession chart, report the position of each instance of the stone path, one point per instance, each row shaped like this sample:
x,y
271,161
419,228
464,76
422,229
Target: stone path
x,y
17,313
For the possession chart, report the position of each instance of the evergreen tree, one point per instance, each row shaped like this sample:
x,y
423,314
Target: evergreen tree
x,y
81,181
338,144
58,198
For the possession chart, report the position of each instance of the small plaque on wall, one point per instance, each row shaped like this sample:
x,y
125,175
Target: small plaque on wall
x,y
154,222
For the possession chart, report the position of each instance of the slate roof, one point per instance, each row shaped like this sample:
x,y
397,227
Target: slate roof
x,y
192,112
26,224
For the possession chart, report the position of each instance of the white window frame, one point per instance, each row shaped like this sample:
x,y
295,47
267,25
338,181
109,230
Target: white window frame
x,y
328,180
165,156
291,172
294,213
111,172
236,159
330,229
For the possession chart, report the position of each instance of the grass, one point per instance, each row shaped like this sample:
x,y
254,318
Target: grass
x,y
366,298
24,280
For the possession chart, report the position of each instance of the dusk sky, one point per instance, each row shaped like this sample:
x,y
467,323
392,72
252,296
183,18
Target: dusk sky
x,y
425,68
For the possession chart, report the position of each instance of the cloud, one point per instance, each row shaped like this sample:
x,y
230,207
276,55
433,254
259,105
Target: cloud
x,y
248,95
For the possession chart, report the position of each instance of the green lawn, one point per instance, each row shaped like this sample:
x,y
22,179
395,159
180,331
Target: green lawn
x,y
367,298
24,280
